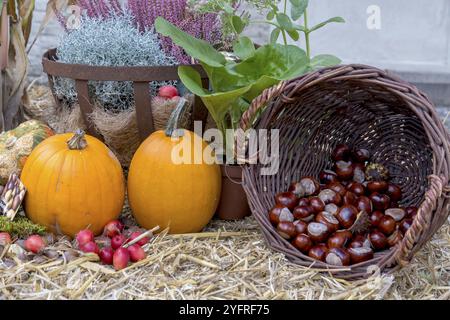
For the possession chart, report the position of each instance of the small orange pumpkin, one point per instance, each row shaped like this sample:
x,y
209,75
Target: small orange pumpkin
x,y
73,182
161,193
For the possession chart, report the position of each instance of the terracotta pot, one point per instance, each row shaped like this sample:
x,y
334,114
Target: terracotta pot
x,y
233,201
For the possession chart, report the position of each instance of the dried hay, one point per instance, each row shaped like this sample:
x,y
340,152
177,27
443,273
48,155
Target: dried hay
x,y
119,130
228,261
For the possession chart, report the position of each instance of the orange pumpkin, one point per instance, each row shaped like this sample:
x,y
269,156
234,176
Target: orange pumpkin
x,y
184,196
73,182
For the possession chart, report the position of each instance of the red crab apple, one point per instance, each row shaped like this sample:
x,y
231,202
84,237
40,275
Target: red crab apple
x,y
168,92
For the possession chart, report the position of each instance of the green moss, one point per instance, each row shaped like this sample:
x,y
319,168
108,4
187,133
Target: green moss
x,y
21,227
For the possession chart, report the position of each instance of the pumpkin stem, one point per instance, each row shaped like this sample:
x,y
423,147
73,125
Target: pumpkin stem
x,y
78,141
178,112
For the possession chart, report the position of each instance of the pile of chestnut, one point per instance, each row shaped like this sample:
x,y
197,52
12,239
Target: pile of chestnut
x,y
347,214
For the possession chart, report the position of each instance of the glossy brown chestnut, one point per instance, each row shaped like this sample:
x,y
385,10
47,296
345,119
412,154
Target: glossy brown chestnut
x,y
380,201
339,239
329,220
411,212
317,204
387,225
363,203
394,204
341,152
344,170
347,216
405,224
327,177
377,186
394,238
359,174
286,199
338,257
349,198
310,185
397,213
280,213
378,240
361,254
357,188
330,196
304,213
331,208
361,155
375,218
338,188
394,192
318,232
297,189
286,230
360,241
318,252
303,243
300,227
303,202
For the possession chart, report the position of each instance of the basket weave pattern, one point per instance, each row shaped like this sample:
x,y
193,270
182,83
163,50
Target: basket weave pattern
x,y
366,108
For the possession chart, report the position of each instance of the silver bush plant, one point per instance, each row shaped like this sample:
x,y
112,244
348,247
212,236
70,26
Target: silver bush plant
x,y
111,42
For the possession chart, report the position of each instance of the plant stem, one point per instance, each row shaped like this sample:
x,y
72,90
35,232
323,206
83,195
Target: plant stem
x,y
283,32
285,6
308,47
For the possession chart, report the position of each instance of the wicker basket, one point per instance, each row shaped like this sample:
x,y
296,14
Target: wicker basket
x,y
363,107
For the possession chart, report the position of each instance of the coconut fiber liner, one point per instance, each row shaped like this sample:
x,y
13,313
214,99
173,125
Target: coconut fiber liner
x,y
366,108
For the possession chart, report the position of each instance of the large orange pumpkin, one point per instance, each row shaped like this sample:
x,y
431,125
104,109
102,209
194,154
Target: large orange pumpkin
x,y
184,196
73,182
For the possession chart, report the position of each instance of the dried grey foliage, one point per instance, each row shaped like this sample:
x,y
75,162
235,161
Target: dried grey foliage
x,y
110,42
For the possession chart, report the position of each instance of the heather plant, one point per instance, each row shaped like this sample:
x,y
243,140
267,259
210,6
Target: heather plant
x,y
114,41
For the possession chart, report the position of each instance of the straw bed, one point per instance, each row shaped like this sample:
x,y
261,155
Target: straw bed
x,y
228,261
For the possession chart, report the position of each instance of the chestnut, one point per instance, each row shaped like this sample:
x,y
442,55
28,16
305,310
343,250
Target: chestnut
x,y
338,257
397,213
357,188
310,185
387,225
405,224
377,186
318,252
341,152
339,239
380,201
331,208
318,232
327,177
303,202
347,216
280,213
329,196
361,254
287,199
394,238
378,240
303,243
375,218
329,220
286,230
338,188
361,155
394,192
304,213
411,212
349,198
300,227
363,203
359,172
317,204
360,241
344,170
297,189
393,204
